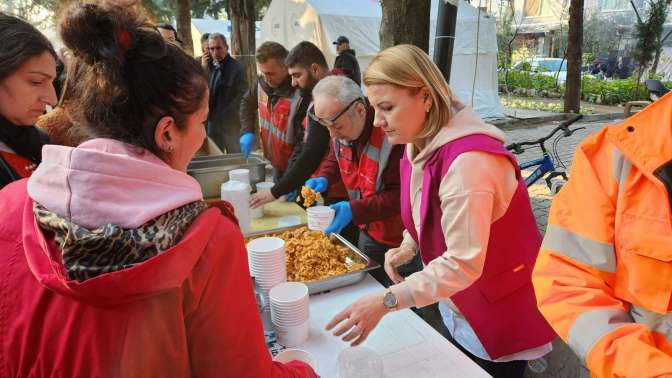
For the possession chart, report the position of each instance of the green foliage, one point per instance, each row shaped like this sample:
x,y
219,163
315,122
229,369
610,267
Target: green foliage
x,y
211,8
528,80
165,10
607,92
611,92
599,35
648,33
215,8
160,11
504,33
560,41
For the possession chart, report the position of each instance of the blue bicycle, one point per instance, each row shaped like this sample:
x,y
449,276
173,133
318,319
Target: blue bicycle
x,y
545,165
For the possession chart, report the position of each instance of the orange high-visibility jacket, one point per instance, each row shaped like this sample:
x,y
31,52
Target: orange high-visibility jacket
x,y
603,278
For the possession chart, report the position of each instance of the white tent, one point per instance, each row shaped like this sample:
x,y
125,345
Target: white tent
x,y
322,21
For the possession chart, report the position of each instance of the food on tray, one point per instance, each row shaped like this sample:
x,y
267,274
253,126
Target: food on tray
x,y
309,196
311,255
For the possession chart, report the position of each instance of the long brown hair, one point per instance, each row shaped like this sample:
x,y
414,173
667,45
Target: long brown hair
x,y
20,42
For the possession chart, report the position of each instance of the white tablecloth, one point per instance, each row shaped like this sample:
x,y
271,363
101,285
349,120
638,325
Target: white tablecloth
x,y
408,346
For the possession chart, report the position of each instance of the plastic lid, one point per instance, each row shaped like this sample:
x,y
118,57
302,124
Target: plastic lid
x,y
234,186
242,175
289,220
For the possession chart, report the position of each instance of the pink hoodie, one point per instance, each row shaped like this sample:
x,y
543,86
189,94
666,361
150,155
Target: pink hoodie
x,y
82,184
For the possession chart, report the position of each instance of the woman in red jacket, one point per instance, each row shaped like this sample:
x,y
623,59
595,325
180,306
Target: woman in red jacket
x,y
27,70
111,263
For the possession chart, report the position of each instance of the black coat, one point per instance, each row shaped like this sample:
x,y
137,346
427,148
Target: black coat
x,y
347,62
227,86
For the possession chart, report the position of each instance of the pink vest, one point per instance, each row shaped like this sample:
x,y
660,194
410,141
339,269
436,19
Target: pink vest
x,y
500,306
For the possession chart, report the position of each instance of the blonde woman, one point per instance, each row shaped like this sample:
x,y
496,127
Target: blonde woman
x,y
478,239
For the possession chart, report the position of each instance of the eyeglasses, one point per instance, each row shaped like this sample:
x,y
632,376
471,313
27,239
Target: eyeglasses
x,y
331,122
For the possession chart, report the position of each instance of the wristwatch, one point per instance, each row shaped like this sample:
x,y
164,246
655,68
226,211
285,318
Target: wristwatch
x,y
390,300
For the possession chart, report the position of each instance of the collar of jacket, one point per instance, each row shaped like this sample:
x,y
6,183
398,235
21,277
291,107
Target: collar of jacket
x,y
26,141
284,90
363,138
223,62
645,139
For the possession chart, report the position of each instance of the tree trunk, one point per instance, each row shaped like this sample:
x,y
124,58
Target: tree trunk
x,y
405,21
574,42
242,35
183,17
656,59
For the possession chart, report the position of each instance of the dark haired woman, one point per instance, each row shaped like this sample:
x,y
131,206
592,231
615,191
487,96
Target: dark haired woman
x,y
27,69
111,263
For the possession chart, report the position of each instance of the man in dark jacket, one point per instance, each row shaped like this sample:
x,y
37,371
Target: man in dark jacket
x,y
226,80
346,62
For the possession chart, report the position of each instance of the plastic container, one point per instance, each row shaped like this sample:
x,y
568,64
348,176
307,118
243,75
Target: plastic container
x,y
359,362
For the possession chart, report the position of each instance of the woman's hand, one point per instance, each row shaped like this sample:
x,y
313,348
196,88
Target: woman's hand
x,y
261,197
395,258
359,319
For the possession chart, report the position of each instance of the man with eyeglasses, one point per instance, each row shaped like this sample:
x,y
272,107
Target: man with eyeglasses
x,y
368,165
226,81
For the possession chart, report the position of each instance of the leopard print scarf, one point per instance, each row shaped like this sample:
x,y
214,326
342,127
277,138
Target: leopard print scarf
x,y
110,248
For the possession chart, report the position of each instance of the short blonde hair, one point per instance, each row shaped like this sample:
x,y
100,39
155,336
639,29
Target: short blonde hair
x,y
407,66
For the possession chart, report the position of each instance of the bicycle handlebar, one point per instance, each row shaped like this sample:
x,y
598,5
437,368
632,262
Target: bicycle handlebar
x,y
564,126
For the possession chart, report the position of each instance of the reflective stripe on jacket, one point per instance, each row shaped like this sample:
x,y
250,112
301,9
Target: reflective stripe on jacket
x,y
276,128
603,278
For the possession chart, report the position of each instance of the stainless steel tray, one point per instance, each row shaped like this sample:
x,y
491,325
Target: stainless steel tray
x,y
212,171
333,282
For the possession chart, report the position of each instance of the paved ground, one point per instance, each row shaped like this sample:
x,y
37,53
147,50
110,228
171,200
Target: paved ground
x,y
562,362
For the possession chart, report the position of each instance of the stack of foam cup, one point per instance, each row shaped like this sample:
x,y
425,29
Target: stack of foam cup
x,y
266,256
290,313
320,217
243,175
238,194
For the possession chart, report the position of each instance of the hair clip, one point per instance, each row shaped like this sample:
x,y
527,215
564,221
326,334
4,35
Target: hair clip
x,y
124,40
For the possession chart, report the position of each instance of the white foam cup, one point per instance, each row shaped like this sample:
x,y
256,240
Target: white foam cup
x,y
288,355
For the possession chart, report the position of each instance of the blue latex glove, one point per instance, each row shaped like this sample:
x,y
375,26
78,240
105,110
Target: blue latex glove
x,y
342,217
291,196
318,184
246,143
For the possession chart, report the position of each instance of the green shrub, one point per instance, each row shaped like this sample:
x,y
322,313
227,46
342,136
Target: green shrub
x,y
528,80
608,92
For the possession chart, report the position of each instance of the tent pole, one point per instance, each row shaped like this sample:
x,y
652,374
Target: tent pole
x,y
445,36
